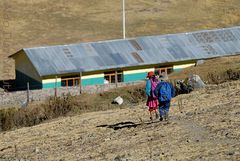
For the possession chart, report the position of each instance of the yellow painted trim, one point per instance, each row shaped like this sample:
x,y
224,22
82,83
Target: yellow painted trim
x,y
183,66
83,77
51,80
93,76
138,71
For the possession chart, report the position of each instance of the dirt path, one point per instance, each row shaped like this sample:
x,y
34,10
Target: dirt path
x,y
207,129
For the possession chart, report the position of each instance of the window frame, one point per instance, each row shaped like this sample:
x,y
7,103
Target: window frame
x,y
165,70
111,75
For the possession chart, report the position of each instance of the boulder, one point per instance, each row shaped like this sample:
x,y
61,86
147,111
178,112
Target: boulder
x,y
195,81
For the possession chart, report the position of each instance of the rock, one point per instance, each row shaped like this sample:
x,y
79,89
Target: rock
x,y
118,100
237,113
37,150
230,153
195,81
107,139
1,90
120,158
20,159
200,62
117,158
189,113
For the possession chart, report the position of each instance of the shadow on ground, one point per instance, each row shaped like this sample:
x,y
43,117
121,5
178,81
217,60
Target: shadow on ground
x,y
127,124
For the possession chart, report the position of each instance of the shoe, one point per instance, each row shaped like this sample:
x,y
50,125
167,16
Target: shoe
x,y
166,117
161,119
156,116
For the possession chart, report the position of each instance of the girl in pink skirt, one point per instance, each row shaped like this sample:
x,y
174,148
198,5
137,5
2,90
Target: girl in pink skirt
x,y
152,100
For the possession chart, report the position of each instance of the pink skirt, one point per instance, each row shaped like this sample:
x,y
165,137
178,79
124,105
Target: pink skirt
x,y
152,103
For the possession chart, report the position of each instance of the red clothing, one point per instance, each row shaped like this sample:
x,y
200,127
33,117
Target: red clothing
x,y
152,100
152,103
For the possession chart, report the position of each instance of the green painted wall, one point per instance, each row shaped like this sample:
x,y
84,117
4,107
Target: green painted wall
x,y
85,82
134,77
93,81
22,79
51,85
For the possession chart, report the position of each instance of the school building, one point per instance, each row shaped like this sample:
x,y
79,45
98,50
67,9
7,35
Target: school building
x,y
125,60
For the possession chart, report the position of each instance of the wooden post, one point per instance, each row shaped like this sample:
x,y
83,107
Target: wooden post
x,y
116,79
27,93
80,83
55,89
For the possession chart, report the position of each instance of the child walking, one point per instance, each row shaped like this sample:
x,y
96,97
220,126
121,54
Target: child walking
x,y
152,100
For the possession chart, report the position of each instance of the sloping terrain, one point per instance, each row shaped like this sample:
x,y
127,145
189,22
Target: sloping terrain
x,y
36,23
203,125
218,68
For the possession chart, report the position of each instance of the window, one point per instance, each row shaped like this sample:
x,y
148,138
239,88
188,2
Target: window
x,y
70,81
163,70
110,76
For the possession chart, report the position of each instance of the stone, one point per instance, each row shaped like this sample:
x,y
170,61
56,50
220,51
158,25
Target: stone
x,y
230,153
118,100
37,150
195,81
1,90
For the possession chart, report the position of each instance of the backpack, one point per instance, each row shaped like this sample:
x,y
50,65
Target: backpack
x,y
154,83
165,91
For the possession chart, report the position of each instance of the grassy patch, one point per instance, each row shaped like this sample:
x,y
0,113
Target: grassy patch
x,y
214,71
62,22
12,118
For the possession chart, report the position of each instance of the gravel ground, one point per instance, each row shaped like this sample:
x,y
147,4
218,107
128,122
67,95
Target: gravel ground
x,y
203,125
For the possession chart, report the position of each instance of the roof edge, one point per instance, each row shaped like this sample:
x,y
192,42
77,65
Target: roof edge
x,y
18,52
137,37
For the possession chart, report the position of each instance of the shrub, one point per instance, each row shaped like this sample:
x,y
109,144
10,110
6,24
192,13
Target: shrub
x,y
54,107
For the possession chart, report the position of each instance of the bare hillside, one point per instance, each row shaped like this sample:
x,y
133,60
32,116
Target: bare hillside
x,y
216,70
36,23
205,127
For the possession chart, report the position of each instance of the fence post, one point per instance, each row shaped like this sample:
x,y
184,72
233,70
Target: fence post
x,y
55,89
80,83
27,93
116,79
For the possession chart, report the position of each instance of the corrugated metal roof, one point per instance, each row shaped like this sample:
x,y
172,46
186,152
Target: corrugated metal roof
x,y
62,59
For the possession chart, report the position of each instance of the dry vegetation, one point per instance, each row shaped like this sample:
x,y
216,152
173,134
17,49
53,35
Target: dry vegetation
x,y
204,127
43,22
35,113
214,71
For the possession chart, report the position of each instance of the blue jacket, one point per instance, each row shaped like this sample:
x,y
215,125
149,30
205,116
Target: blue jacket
x,y
170,95
148,88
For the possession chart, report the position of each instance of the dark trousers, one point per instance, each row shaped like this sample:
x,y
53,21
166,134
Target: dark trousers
x,y
164,108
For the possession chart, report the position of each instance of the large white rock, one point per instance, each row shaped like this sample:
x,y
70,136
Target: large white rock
x,y
118,100
195,81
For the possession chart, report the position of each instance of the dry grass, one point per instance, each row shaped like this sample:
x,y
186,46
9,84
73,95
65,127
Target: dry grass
x,y
214,71
207,129
45,22
11,118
